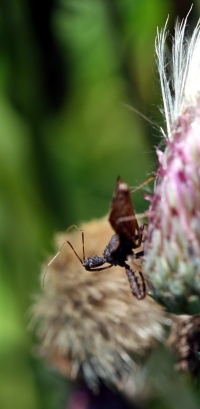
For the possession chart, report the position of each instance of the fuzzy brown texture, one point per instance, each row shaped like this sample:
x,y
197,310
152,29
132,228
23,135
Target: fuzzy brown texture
x,y
184,342
88,321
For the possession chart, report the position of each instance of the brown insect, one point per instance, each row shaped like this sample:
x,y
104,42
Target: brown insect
x,y
128,237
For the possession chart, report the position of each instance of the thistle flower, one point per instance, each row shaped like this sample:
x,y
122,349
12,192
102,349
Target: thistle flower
x,y
172,247
88,321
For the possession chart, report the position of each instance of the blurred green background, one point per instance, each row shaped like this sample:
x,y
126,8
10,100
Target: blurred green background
x,y
68,69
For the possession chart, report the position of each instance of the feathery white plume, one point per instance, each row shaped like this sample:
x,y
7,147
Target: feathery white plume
x,y
183,87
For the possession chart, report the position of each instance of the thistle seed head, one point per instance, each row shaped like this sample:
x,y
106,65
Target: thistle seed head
x,y
88,321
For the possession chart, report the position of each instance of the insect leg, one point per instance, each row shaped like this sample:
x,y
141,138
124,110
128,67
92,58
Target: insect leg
x,y
101,268
141,233
138,291
139,254
144,290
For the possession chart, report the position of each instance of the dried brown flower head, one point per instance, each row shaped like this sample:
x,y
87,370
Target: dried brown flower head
x,y
184,342
89,322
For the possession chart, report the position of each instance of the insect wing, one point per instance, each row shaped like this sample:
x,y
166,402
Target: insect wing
x,y
122,215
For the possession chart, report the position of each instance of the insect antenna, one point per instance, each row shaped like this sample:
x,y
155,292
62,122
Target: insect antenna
x,y
143,184
59,251
142,116
81,261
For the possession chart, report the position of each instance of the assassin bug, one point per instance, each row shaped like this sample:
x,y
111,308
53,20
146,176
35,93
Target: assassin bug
x,y
128,237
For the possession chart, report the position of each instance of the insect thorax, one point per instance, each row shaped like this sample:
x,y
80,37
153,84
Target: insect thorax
x,y
117,250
